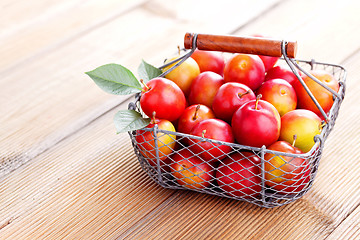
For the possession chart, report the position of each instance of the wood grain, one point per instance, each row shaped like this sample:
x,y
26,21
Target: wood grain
x,y
67,175
52,24
67,193
46,102
349,228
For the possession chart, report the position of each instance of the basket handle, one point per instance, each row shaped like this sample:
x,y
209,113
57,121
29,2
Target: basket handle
x,y
236,44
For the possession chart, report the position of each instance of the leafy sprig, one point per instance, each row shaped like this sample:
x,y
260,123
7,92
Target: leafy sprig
x,y
117,79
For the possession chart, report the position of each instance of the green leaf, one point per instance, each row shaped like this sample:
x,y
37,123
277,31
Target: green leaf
x,y
147,71
129,120
115,79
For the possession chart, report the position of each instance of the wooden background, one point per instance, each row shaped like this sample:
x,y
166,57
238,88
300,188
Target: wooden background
x,y
65,174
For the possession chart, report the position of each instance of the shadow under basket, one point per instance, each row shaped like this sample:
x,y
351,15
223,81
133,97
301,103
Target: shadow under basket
x,y
254,187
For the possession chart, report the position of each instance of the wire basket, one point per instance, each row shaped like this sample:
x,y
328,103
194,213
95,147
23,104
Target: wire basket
x,y
253,187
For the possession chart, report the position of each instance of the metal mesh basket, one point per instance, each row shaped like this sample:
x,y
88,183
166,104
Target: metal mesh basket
x,y
247,184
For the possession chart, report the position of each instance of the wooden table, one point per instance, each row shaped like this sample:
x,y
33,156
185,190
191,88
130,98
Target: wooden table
x,y
66,174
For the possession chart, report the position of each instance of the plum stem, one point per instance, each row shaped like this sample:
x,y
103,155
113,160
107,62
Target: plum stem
x,y
257,101
196,111
179,49
146,86
203,133
153,117
243,94
294,137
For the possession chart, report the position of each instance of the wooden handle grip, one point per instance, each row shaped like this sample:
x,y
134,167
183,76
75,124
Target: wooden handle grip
x,y
235,44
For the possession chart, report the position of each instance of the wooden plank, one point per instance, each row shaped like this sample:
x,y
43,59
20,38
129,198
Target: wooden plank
x,y
335,193
10,22
55,104
26,110
83,191
349,228
315,35
324,31
61,170
47,25
82,185
195,216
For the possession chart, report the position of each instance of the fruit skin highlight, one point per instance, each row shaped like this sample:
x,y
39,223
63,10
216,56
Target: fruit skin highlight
x,y
184,74
303,123
279,93
256,123
204,88
282,72
192,115
164,97
209,61
229,98
165,142
322,95
246,69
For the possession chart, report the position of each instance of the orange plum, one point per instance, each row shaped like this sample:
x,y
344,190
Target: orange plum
x,y
303,123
